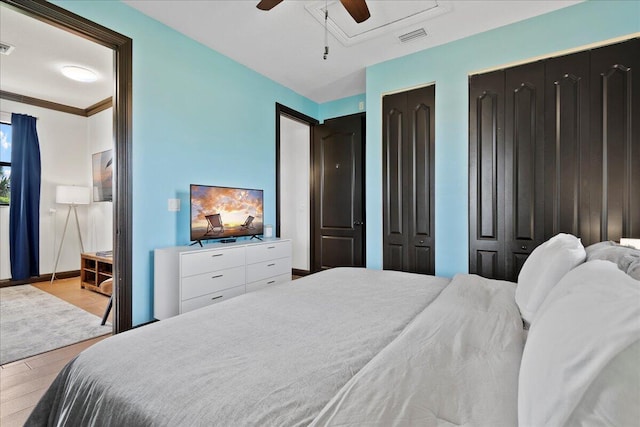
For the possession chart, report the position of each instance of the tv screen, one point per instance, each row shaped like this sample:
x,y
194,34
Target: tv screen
x,y
223,212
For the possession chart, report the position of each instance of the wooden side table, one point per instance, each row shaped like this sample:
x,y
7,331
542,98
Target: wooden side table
x,y
95,271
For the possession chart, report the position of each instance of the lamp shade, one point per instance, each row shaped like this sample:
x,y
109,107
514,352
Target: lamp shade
x,y
72,195
635,243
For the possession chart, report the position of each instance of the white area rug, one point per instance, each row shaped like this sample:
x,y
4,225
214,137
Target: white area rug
x,y
33,322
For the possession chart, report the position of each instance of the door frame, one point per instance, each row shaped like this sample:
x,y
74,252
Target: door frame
x,y
362,117
282,110
122,121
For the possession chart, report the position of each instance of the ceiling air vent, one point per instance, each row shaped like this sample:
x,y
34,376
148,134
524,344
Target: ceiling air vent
x,y
413,35
6,49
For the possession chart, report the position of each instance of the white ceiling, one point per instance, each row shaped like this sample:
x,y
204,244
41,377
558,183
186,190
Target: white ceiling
x,y
285,44
33,68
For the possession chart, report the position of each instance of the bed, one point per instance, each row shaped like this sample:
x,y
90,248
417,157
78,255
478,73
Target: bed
x,y
352,346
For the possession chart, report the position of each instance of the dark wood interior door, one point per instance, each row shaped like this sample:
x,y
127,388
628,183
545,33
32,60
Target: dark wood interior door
x,y
554,147
615,141
421,171
338,171
408,181
395,216
523,164
486,175
566,200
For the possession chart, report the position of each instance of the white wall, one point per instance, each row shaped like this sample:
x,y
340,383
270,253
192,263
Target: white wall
x,y
4,243
294,189
65,159
100,138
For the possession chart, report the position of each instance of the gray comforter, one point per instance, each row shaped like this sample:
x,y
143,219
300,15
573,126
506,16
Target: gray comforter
x,y
272,357
456,363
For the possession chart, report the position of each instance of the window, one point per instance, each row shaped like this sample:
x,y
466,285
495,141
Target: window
x,y
5,162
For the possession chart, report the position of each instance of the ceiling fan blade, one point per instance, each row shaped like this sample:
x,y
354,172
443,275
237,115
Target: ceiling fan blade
x,y
268,4
357,9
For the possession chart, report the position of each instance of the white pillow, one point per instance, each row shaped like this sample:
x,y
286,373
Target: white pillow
x,y
613,398
589,318
546,265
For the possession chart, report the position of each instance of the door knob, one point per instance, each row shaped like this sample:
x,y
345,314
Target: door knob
x,y
358,223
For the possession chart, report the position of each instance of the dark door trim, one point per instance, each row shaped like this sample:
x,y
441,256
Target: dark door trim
x,y
340,127
282,110
122,119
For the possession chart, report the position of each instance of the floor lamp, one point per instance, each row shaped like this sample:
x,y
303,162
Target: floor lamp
x,y
72,196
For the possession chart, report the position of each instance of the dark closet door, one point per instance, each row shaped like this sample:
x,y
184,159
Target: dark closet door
x,y
566,197
421,171
615,141
338,170
395,212
408,176
523,164
569,159
486,175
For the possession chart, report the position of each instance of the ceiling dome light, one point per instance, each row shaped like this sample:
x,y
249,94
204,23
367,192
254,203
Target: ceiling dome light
x,y
79,74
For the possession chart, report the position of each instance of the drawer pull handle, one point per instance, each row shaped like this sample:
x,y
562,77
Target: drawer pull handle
x,y
218,276
219,296
215,255
271,282
271,247
271,265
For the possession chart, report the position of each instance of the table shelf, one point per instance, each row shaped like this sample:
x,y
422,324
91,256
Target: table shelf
x,y
95,271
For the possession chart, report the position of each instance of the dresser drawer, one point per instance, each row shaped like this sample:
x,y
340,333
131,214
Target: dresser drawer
x,y
254,286
212,298
267,251
264,270
195,286
205,261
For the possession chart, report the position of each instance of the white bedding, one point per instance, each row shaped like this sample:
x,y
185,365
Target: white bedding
x,y
456,364
576,367
272,357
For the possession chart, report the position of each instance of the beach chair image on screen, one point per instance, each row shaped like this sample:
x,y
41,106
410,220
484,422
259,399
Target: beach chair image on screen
x,y
247,223
214,224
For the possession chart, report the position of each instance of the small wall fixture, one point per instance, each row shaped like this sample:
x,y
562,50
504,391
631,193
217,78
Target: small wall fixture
x,y
79,74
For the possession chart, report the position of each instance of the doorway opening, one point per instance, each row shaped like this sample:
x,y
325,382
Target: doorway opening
x,y
294,185
122,118
320,202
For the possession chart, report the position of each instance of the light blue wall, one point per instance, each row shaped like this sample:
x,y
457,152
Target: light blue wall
x,y
198,117
342,107
449,66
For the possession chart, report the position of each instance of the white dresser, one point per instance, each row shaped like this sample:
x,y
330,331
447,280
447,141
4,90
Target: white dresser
x,y
187,277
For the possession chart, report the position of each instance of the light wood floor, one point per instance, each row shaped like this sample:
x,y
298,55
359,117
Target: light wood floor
x,y
23,382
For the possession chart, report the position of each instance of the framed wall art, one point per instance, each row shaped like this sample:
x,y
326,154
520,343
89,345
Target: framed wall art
x,y
103,176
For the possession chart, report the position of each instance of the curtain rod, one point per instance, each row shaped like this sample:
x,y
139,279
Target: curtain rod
x,y
5,117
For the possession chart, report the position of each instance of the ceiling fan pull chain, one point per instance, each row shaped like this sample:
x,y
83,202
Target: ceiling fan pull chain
x,y
326,34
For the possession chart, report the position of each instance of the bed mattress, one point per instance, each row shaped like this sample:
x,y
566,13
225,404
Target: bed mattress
x,y
272,357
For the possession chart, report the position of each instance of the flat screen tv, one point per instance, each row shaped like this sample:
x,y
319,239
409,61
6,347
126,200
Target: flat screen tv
x,y
225,212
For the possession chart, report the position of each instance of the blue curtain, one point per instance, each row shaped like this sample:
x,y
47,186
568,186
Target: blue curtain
x,y
24,208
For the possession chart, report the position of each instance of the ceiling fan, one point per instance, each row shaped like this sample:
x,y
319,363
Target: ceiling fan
x,y
357,8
